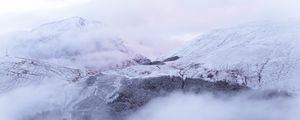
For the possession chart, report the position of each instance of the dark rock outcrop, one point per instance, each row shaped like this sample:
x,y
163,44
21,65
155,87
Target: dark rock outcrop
x,y
101,99
155,63
171,59
138,92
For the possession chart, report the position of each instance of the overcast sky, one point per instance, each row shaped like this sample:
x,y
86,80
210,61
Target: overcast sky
x,y
151,22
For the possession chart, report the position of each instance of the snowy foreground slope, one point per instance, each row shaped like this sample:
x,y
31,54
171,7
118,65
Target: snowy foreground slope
x,y
20,72
74,42
28,87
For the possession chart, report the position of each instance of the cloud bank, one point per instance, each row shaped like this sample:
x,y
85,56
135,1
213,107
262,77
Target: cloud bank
x,y
25,102
181,106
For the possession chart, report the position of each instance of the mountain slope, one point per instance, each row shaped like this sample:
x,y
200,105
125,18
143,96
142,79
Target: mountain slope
x,y
267,54
74,42
224,62
258,55
20,72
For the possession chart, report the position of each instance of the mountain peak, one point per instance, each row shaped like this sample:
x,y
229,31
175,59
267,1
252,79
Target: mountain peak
x,y
64,25
74,42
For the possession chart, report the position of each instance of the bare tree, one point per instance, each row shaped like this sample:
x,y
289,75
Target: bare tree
x,y
261,69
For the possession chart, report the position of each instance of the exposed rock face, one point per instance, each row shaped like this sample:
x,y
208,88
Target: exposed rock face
x,y
171,59
137,92
112,97
155,63
117,96
132,94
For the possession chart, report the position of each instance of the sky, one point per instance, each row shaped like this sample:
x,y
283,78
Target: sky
x,y
157,25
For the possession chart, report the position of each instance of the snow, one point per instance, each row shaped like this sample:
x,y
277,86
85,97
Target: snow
x,y
73,42
259,55
267,50
21,72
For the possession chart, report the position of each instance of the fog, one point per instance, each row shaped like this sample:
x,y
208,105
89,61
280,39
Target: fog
x,y
30,101
27,101
182,106
66,44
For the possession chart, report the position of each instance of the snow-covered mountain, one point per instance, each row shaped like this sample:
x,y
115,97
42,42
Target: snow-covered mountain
x,y
74,42
266,54
259,55
227,61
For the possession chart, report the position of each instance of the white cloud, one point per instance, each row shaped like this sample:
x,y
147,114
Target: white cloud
x,y
24,102
206,107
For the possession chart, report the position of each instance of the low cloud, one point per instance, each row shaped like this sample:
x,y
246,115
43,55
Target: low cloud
x,y
69,44
25,102
181,106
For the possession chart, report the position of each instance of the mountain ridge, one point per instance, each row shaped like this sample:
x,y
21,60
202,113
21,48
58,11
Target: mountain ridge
x,y
54,42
